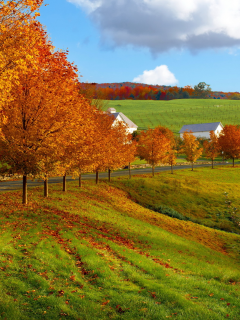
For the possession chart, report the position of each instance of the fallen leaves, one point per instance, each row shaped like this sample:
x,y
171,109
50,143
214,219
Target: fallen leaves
x,y
119,309
60,293
105,303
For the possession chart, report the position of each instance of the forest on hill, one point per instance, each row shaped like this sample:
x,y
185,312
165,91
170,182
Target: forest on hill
x,y
140,91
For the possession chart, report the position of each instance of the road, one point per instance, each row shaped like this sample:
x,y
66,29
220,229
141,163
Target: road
x,y
17,185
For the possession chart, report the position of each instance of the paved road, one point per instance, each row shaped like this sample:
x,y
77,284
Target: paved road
x,y
16,185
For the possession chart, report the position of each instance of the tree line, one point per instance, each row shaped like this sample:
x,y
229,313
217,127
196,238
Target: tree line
x,y
148,92
159,145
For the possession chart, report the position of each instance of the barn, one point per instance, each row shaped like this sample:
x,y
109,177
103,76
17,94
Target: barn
x,y
119,116
202,130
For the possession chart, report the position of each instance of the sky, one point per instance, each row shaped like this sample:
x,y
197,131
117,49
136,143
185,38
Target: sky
x,y
173,42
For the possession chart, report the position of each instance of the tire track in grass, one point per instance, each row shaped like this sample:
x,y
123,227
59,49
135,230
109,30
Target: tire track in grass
x,y
65,245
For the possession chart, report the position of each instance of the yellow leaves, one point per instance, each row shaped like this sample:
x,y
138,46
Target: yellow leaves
x,y
191,147
153,145
212,147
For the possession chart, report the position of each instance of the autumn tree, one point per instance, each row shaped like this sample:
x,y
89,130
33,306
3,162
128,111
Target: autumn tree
x,y
124,148
229,142
17,21
171,154
153,146
202,90
235,96
189,90
212,147
77,150
44,109
112,147
119,146
97,98
130,153
101,147
171,158
190,147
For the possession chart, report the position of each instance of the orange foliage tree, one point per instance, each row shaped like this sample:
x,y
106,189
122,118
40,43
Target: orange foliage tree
x,y
153,146
83,149
95,97
189,90
130,153
112,147
120,147
75,154
101,147
229,142
212,147
171,158
172,152
17,20
190,147
45,108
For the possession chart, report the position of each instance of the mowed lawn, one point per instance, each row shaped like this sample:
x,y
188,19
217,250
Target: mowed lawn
x,y
176,113
95,253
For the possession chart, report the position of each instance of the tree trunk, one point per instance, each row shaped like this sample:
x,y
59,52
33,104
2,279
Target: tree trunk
x,y
64,183
153,171
46,187
233,162
24,199
109,175
96,177
129,170
192,165
212,163
171,168
80,179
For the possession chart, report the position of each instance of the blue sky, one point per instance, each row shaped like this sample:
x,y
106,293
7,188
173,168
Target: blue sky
x,y
161,42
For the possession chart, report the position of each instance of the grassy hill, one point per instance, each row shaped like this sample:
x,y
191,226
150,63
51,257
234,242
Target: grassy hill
x,y
175,113
95,253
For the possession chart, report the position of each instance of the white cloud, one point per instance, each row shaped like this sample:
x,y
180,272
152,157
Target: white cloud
x,y
161,25
89,5
160,75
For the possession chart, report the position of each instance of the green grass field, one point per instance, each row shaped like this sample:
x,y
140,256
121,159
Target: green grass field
x,y
176,113
94,253
200,194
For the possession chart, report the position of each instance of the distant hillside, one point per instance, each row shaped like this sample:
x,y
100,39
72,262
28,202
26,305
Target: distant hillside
x,y
141,91
176,113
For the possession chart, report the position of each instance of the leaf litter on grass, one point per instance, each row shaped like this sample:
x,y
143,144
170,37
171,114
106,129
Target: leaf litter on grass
x,y
98,254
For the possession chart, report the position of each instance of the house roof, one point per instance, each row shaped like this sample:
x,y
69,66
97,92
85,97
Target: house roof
x,y
124,119
200,127
112,110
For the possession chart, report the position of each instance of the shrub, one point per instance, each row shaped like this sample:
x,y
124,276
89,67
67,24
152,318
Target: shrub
x,y
169,212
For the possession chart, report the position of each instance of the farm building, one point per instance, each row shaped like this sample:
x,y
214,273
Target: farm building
x,y
202,130
119,116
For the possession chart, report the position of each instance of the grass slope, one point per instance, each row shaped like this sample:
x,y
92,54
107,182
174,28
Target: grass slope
x,y
176,113
197,194
93,253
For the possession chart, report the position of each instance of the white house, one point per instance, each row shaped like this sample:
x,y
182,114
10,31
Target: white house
x,y
202,130
119,116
